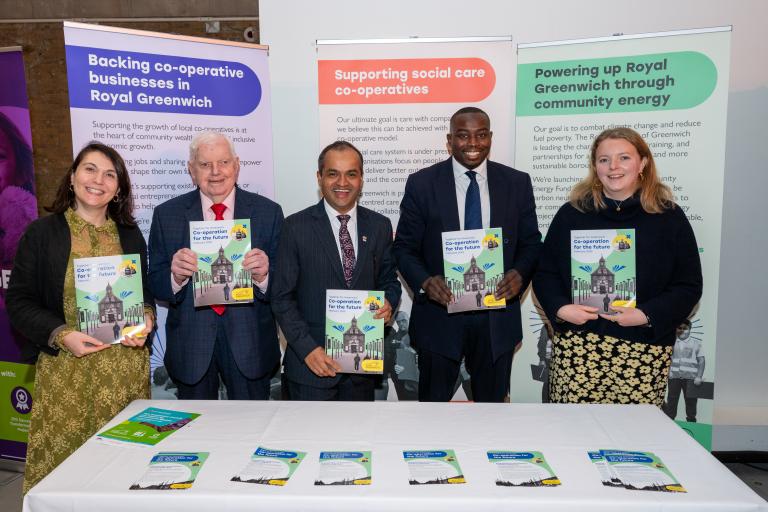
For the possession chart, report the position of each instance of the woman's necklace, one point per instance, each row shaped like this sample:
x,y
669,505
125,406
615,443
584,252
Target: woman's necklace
x,y
617,203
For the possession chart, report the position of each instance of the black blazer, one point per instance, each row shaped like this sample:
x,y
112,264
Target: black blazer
x,y
35,297
308,264
428,209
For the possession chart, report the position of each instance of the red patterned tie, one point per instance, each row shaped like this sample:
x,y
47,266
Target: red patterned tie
x,y
347,249
218,210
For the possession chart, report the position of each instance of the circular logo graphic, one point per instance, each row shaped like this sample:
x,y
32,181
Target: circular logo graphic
x,y
21,400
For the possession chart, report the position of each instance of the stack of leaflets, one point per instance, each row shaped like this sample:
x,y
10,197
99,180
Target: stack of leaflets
x,y
109,296
433,467
353,337
522,469
149,427
171,471
642,471
270,467
344,468
220,246
603,268
473,262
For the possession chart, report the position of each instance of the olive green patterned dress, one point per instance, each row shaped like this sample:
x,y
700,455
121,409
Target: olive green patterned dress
x,y
74,397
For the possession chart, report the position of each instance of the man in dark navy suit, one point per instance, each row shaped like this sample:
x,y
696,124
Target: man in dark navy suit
x,y
334,244
237,343
466,191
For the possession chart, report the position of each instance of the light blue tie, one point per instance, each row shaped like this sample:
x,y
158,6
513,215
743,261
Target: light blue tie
x,y
473,216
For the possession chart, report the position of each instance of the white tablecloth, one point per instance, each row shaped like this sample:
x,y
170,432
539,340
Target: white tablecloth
x,y
97,476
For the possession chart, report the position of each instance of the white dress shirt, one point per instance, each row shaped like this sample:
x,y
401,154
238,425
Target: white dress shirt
x,y
462,184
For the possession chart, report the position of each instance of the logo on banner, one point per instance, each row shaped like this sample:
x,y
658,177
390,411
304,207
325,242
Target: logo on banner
x,y
21,400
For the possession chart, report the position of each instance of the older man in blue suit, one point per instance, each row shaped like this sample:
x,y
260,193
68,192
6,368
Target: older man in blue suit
x,y
237,343
466,191
334,244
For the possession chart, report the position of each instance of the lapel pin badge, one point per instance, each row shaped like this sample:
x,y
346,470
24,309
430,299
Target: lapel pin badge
x,y
365,238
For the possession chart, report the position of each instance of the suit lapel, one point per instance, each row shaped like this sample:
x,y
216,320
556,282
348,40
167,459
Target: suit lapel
x,y
497,192
445,192
328,239
194,213
243,207
363,234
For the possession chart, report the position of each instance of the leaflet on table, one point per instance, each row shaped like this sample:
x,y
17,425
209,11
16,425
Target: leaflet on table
x,y
603,268
171,471
353,337
433,467
344,468
150,426
522,469
607,476
642,471
270,467
473,262
220,246
109,296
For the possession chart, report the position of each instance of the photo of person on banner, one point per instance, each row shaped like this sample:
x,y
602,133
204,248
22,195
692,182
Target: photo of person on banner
x,y
91,215
686,374
18,206
622,356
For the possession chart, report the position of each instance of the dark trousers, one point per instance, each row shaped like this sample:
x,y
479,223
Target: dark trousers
x,y
223,366
674,386
489,378
350,388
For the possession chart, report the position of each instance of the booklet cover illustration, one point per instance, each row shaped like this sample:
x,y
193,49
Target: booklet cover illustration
x,y
353,337
270,467
109,296
220,246
344,468
603,268
433,467
522,469
150,426
171,471
473,262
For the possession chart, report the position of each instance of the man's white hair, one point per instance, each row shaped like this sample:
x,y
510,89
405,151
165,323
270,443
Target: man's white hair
x,y
209,137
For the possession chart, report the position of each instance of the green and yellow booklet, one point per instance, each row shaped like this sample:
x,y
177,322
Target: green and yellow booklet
x,y
220,246
109,296
473,262
603,268
353,337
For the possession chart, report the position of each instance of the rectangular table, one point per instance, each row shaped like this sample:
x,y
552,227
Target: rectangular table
x,y
98,475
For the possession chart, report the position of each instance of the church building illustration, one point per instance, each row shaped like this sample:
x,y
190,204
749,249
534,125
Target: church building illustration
x,y
110,307
221,269
602,279
474,277
354,339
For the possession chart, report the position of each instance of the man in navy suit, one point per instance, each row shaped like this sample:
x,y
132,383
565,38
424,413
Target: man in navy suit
x,y
334,244
237,343
467,191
